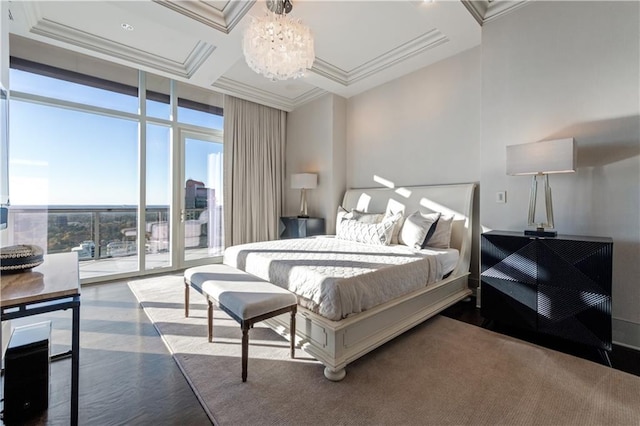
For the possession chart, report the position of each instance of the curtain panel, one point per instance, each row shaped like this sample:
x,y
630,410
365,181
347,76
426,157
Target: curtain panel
x,y
254,152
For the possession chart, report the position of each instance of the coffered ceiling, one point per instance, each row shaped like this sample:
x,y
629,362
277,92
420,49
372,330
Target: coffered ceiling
x,y
358,44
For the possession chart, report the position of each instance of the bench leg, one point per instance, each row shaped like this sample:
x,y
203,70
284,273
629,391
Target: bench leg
x,y
210,320
292,330
245,350
186,299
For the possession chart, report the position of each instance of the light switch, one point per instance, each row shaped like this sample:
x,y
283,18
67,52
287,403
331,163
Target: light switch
x,y
501,197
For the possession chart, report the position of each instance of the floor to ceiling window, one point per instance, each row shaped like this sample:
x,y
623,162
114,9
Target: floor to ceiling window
x,y
96,169
158,196
202,209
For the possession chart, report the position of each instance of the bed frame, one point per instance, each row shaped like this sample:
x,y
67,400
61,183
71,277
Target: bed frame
x,y
337,343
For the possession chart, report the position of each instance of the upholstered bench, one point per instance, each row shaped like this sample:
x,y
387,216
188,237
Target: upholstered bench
x,y
246,298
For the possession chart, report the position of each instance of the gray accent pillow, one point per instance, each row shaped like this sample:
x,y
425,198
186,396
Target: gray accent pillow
x,y
441,237
416,227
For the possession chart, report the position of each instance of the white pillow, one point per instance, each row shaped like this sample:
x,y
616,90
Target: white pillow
x,y
398,219
396,230
395,235
368,233
416,228
341,214
441,237
366,217
360,216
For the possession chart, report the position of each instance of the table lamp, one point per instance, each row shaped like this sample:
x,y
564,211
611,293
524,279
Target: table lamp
x,y
540,159
304,181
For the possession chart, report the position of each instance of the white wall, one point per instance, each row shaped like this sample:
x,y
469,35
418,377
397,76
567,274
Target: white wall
x,y
423,128
570,69
316,144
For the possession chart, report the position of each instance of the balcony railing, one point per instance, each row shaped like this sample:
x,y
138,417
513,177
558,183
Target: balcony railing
x,y
108,232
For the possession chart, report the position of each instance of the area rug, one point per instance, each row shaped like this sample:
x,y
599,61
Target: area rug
x,y
442,372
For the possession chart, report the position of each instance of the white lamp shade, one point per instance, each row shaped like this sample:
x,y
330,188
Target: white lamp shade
x,y
304,180
555,156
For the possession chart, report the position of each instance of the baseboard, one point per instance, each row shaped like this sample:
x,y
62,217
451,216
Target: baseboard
x,y
626,333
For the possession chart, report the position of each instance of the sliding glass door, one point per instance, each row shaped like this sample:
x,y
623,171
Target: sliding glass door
x,y
201,226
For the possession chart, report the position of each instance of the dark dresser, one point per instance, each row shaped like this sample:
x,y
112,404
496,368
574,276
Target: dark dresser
x,y
559,286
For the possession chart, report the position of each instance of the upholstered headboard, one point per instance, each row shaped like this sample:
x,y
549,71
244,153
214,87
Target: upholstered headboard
x,y
449,199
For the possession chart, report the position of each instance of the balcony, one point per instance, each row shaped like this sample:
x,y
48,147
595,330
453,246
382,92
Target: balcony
x,y
106,237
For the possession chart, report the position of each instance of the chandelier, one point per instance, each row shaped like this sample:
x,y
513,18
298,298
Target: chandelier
x,y
276,45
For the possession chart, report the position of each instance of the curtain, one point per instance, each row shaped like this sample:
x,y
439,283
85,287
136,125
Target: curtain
x,y
254,150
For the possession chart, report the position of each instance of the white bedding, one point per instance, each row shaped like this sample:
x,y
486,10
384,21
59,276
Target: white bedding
x,y
335,277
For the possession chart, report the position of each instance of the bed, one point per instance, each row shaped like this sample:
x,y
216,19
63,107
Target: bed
x,y
355,296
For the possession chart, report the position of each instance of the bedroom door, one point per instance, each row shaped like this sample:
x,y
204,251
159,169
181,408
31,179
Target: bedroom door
x,y
201,226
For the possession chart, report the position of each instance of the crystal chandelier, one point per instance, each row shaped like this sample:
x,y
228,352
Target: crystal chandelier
x,y
277,46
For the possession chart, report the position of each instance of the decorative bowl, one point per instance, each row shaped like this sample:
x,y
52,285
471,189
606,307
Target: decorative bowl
x,y
20,258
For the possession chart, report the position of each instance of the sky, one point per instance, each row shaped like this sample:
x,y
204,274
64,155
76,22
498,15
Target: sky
x,y
59,156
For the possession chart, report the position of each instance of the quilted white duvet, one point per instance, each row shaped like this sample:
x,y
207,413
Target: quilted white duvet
x,y
336,278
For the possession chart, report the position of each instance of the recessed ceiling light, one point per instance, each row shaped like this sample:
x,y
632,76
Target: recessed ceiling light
x,y
126,26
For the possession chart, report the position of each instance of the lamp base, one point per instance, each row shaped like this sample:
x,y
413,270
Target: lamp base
x,y
540,232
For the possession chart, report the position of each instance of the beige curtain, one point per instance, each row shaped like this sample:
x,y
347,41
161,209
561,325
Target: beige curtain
x,y
254,150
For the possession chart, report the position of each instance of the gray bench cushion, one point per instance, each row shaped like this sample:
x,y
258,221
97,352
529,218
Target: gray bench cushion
x,y
199,274
243,294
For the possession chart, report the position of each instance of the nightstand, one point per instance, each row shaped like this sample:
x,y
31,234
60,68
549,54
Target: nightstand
x,y
300,227
559,286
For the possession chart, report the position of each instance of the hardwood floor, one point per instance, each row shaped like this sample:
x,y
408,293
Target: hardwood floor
x,y
622,358
128,377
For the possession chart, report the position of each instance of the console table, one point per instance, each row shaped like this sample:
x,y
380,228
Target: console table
x,y
559,286
52,286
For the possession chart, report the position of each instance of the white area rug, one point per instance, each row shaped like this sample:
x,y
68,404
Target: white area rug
x,y
441,372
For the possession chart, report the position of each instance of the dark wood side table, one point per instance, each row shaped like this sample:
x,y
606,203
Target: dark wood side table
x,y
559,286
52,286
300,227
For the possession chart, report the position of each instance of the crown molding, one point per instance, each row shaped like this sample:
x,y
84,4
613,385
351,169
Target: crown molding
x,y
399,54
388,59
487,10
200,52
200,11
46,28
32,13
330,71
477,9
251,93
308,96
501,8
